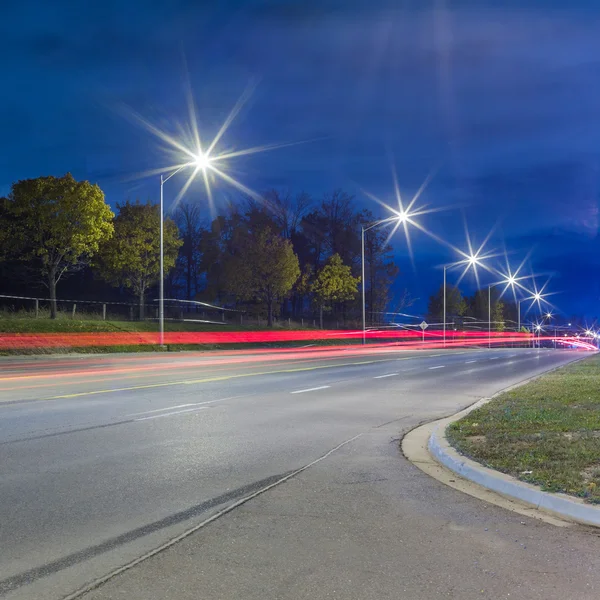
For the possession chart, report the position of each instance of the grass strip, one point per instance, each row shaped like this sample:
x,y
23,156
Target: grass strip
x,y
546,432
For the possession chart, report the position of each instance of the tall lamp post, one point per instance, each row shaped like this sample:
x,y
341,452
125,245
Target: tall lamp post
x,y
201,162
489,316
471,261
445,269
399,218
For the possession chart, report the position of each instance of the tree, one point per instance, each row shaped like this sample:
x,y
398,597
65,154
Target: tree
x,y
456,305
380,269
498,316
302,288
58,224
132,256
265,270
220,247
287,212
187,218
334,283
331,229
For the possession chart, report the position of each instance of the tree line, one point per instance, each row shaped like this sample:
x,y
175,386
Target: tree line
x,y
461,310
284,254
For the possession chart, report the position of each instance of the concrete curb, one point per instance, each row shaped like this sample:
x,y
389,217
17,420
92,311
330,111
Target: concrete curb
x,y
558,504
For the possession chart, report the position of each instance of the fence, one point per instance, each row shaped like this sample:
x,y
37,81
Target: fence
x,y
39,307
175,310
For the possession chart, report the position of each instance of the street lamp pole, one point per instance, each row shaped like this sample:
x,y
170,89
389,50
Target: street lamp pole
x,y
489,316
362,264
445,267
161,292
401,218
161,287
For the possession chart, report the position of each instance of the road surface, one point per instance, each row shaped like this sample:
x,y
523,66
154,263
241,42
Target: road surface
x,y
106,458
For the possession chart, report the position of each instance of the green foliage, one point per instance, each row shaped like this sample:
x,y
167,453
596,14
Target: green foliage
x,y
335,283
498,316
304,284
265,269
57,224
132,256
456,305
545,432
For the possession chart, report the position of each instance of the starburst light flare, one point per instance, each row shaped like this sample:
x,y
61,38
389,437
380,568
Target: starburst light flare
x,y
187,150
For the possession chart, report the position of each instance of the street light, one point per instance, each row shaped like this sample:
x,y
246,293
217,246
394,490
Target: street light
x,y
201,162
472,260
399,218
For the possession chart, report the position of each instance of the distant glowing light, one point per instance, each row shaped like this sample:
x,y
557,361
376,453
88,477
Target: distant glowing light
x,y
406,215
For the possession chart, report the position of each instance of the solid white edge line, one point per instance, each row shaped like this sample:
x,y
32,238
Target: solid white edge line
x,y
321,387
179,412
148,412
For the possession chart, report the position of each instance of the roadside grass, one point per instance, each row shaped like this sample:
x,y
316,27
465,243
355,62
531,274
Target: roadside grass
x,y
546,432
89,323
26,323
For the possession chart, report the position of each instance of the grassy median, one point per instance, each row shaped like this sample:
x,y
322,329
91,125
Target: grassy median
x,y
546,432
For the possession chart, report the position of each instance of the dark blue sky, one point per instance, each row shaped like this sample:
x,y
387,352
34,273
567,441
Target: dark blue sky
x,y
505,102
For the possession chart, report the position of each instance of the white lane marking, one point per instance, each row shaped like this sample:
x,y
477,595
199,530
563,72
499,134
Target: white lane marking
x,y
434,355
410,369
494,358
468,362
321,387
147,412
438,367
382,376
178,412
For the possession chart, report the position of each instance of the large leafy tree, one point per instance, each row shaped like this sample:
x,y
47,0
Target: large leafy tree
x,y
264,270
334,283
131,258
56,226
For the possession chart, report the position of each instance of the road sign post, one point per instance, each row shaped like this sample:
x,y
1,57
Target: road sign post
x,y
424,325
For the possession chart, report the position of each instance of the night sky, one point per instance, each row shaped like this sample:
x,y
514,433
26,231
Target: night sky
x,y
502,104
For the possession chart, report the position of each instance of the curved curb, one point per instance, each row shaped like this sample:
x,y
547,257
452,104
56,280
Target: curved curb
x,y
559,504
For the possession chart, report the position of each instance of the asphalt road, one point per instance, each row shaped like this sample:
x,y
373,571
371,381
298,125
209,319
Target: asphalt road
x,y
107,458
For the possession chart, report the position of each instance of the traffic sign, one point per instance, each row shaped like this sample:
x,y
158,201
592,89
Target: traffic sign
x,y
424,325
